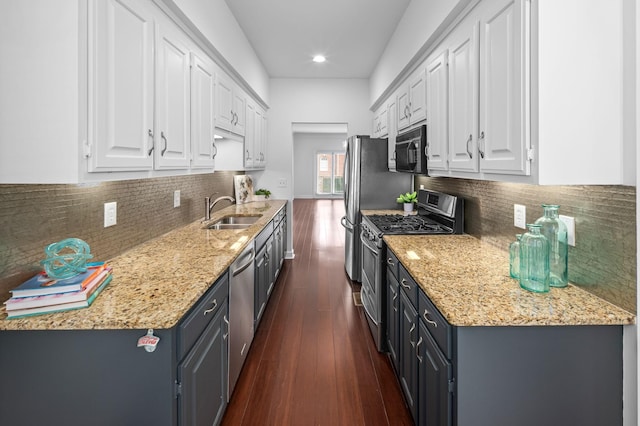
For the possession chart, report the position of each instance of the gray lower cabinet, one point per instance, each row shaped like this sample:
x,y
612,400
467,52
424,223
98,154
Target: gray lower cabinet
x,y
263,278
202,379
393,305
101,377
502,375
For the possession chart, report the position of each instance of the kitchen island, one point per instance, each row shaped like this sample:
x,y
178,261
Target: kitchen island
x,y
89,366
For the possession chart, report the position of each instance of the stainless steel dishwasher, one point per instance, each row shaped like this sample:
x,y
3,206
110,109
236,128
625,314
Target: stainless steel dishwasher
x,y
241,305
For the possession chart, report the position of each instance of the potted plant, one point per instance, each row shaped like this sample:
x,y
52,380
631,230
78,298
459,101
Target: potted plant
x,y
408,199
262,194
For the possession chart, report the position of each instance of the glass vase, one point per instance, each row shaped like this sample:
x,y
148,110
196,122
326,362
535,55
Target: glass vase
x,y
514,257
556,233
534,260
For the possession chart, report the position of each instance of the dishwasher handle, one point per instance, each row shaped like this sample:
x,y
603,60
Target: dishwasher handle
x,y
246,265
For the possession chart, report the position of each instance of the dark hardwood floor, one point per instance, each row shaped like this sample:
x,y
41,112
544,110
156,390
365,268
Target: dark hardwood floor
x,y
313,360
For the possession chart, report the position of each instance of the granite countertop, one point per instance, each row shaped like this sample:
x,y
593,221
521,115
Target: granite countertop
x,y
468,281
156,283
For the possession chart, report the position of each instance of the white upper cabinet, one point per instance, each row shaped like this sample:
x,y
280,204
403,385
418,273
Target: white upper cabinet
x,y
437,139
255,137
463,98
121,86
231,105
411,107
503,138
392,133
203,147
381,122
172,98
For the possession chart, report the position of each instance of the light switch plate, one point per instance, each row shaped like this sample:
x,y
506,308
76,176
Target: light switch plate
x,y
571,229
176,198
110,214
520,216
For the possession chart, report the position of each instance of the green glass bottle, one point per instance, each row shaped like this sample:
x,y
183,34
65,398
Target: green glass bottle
x,y
556,233
534,260
514,257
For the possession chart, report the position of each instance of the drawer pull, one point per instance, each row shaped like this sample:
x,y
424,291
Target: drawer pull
x,y
390,262
215,305
417,350
426,318
403,282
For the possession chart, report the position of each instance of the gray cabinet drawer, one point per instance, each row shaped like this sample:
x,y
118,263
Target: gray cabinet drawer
x,y
408,285
438,327
192,326
263,236
392,263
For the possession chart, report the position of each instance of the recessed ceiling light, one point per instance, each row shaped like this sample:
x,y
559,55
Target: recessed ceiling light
x,y
319,59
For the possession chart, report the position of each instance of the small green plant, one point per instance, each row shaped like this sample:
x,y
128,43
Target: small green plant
x,y
264,192
409,197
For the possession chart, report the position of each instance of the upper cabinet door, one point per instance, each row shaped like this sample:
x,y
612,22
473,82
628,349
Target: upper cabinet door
x,y
503,140
417,94
403,108
240,110
172,99
121,34
437,140
224,102
203,149
463,99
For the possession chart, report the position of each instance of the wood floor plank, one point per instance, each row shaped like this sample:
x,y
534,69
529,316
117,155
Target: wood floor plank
x,y
313,360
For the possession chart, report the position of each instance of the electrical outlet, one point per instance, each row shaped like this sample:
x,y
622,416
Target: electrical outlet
x,y
176,198
110,214
571,229
282,183
520,216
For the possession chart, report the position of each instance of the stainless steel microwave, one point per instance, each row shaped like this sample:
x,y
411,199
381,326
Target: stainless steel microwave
x,y
411,151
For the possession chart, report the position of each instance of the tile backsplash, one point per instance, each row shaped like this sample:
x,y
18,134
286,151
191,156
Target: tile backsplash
x,y
603,261
33,216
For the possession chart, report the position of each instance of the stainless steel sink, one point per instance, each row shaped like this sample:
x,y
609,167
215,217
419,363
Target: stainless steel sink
x,y
234,222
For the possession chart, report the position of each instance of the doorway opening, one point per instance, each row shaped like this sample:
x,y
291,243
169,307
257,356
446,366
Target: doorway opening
x,y
329,173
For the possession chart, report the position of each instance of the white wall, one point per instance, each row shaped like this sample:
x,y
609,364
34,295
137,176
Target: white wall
x,y
309,101
216,22
305,148
416,29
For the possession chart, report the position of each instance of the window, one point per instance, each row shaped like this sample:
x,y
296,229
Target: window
x,y
330,173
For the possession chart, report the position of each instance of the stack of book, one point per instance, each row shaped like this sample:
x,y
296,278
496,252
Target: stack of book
x,y
42,294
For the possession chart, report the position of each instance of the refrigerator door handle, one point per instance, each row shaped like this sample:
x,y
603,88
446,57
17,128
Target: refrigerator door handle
x,y
346,224
345,173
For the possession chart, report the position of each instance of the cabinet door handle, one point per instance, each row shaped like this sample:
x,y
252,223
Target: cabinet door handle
x,y
395,306
226,321
468,142
214,150
418,350
247,155
150,133
426,150
164,138
426,318
481,151
403,283
413,327
390,262
215,305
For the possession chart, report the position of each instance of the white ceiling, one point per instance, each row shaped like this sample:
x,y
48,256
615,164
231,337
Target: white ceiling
x,y
286,34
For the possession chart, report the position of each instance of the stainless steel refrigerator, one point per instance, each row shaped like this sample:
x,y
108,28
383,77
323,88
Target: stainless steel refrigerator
x,y
368,184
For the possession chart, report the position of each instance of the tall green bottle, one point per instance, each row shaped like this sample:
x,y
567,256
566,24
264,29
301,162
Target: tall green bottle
x,y
556,233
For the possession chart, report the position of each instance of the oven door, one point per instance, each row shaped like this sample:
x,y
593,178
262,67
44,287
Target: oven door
x,y
371,291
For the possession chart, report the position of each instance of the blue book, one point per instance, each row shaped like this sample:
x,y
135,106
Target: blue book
x,y
42,284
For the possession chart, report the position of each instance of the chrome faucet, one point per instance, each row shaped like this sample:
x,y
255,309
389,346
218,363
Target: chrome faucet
x,y
210,204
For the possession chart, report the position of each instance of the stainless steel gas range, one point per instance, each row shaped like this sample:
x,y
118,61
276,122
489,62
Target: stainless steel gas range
x,y
438,214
